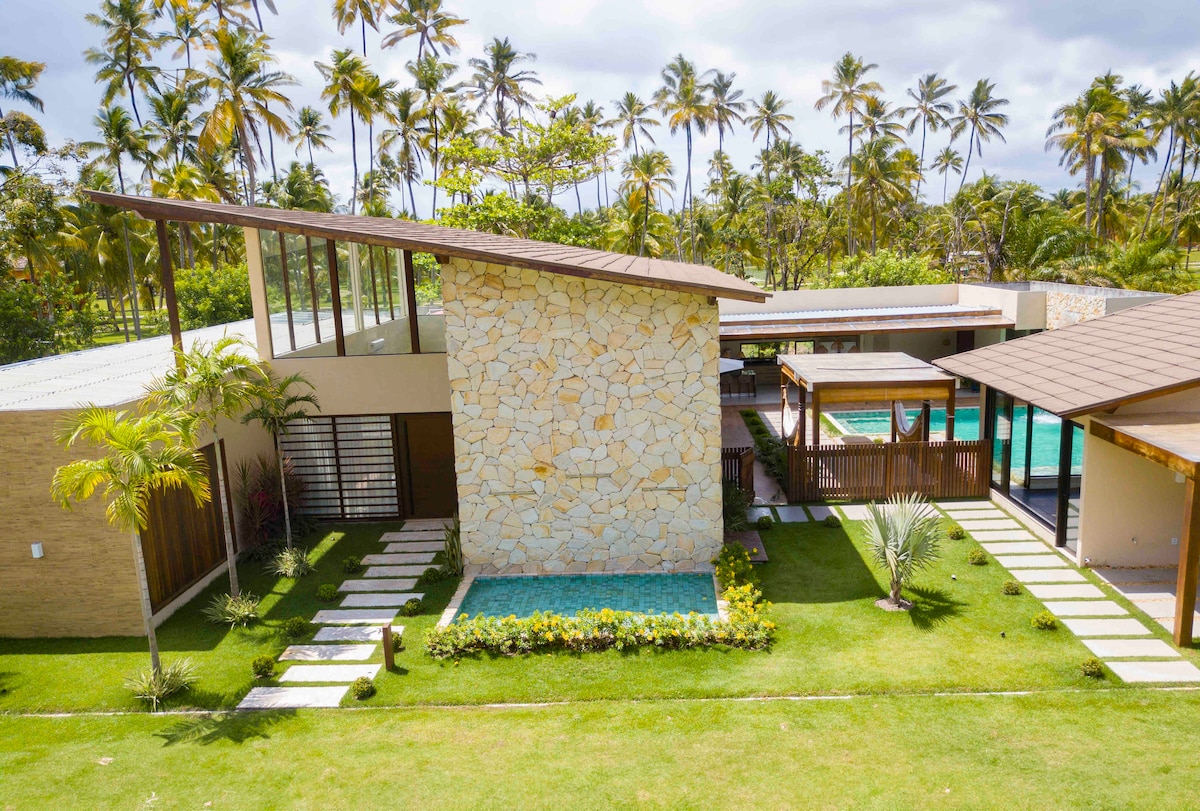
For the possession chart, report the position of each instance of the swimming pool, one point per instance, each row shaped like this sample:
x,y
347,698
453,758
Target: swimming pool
x,y
1046,436
568,594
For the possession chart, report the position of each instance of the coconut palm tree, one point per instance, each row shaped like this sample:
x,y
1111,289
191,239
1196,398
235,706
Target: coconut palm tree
x,y
633,116
275,404
684,100
425,20
366,12
647,175
310,131
1175,114
431,76
929,108
172,123
211,382
878,119
885,174
768,117
406,117
188,28
138,456
904,536
978,112
1140,101
495,83
845,94
1077,130
241,78
945,162
728,105
17,78
125,60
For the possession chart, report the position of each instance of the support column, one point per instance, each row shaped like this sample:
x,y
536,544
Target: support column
x,y
950,411
1062,511
1189,566
816,417
925,417
168,282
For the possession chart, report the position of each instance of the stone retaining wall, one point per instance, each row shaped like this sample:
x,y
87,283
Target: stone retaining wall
x,y
587,423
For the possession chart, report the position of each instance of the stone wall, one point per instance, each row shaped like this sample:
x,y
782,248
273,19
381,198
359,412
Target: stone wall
x,y
587,422
1065,309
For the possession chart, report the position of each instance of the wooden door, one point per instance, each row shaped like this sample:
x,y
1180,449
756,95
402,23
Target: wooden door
x,y
428,465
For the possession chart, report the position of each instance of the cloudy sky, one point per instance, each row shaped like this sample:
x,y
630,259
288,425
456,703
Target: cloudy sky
x,y
1040,53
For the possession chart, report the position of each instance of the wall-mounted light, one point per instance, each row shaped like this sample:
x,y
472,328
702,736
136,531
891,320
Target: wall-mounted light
x,y
38,552
375,346
1179,478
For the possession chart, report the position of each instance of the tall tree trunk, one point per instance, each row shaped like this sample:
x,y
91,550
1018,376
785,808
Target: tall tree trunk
x,y
248,164
921,165
354,161
1089,176
287,513
1179,193
970,149
849,183
226,523
1162,177
945,184
124,317
139,562
687,200
433,159
411,198
12,147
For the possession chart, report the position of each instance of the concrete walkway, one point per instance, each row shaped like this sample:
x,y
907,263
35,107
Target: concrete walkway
x,y
735,434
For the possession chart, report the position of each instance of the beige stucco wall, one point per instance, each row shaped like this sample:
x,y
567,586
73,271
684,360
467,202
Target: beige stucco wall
x,y
586,422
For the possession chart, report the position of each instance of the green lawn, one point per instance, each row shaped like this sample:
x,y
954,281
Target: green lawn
x,y
831,640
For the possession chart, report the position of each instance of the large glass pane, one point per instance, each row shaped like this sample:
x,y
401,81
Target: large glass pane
x,y
277,293
1001,439
431,317
381,303
349,288
302,285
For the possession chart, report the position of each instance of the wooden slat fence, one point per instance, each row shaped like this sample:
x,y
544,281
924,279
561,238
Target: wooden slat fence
x,y
737,465
878,471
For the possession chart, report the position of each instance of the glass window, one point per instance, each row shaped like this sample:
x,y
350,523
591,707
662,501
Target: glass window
x,y
377,306
431,315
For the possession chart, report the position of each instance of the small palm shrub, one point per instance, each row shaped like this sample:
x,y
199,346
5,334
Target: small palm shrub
x,y
327,592
156,687
1093,668
764,522
904,538
733,567
453,548
733,507
351,564
411,608
956,532
292,563
296,627
362,688
1044,621
263,667
977,557
1010,588
241,610
832,521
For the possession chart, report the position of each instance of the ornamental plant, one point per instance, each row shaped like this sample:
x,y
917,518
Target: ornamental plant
x,y
904,537
733,566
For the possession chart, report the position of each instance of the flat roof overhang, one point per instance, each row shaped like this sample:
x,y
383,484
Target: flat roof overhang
x,y
1172,439
808,330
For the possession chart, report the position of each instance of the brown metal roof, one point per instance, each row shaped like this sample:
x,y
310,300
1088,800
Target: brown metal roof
x,y
525,253
1132,355
1171,438
809,329
859,368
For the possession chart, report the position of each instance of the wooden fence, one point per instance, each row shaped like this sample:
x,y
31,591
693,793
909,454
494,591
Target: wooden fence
x,y
737,465
879,471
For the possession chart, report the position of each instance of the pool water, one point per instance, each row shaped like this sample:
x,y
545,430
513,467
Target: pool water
x,y
1046,432
568,594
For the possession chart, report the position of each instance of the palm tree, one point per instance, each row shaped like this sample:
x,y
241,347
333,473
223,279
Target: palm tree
x,y
172,123
1175,114
138,456
17,78
884,176
211,382
878,119
187,27
945,162
495,83
592,116
727,105
633,116
245,88
1077,129
431,75
425,20
348,86
647,175
310,130
683,99
844,95
406,116
904,537
768,116
929,109
128,49
978,111
366,12
275,406
1140,101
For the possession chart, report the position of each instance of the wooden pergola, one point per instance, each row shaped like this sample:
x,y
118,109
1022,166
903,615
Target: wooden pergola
x,y
865,377
1173,441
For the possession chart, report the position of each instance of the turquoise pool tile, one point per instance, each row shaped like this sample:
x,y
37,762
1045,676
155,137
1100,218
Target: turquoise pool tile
x,y
568,594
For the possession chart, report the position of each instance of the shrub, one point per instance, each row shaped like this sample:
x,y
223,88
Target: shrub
x,y
155,688
955,533
362,688
208,298
296,627
411,608
260,502
1044,621
882,269
351,564
733,567
733,507
432,575
768,448
832,521
241,610
764,522
904,537
453,548
977,557
327,592
1093,668
263,667
1010,588
292,563
397,642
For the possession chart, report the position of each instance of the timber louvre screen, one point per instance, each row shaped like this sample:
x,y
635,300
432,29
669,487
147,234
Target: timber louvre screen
x,y
348,464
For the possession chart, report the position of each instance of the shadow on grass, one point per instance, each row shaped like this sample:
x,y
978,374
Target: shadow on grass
x,y
235,727
815,565
932,607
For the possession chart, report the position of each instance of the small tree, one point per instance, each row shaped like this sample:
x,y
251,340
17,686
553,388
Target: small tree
x,y
275,406
139,456
905,536
212,381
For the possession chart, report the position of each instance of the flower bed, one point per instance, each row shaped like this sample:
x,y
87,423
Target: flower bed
x,y
747,627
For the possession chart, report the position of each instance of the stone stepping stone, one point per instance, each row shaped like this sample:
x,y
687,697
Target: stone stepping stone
x,y
755,513
395,571
792,515
292,698
380,584
397,558
1048,576
855,512
395,600
414,546
1016,548
1050,561
976,515
1085,608
1169,623
1122,627
990,524
1155,671
352,633
327,653
1131,649
426,524
424,535
820,512
332,673
1068,591
966,505
751,541
352,617
1003,535
1147,591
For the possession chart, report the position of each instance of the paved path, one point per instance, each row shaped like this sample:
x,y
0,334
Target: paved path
x,y
351,633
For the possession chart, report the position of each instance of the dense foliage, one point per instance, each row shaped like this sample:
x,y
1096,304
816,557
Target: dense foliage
x,y
208,298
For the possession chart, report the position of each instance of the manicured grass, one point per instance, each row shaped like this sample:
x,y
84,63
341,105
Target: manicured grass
x,y
1117,749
